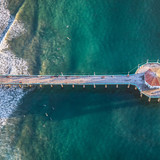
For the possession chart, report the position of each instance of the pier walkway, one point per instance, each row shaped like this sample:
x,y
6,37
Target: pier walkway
x,y
136,79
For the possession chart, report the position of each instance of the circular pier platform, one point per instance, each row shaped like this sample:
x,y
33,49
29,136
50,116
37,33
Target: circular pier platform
x,y
150,86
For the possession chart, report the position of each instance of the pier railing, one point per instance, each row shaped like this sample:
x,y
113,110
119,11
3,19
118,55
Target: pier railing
x,y
131,71
79,79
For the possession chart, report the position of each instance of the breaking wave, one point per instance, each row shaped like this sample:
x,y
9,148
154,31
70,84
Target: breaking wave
x,y
10,28
9,63
9,99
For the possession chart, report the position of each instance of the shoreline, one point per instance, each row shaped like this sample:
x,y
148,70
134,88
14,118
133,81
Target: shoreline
x,y
12,28
11,20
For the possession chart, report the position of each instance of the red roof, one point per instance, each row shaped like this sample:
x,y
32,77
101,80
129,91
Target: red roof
x,y
152,77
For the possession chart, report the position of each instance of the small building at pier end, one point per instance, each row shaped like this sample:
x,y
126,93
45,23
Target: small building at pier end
x,y
152,77
149,85
146,80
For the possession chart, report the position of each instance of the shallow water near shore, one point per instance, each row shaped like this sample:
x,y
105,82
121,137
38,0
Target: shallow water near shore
x,y
83,37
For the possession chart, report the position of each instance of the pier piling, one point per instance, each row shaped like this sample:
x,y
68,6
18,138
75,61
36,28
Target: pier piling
x,y
139,80
149,99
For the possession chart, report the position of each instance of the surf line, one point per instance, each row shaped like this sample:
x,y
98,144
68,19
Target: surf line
x,y
10,22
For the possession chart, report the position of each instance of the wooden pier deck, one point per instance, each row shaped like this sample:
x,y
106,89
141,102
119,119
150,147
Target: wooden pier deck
x,y
136,79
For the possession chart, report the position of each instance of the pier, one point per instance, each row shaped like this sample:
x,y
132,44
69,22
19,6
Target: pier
x,y
137,80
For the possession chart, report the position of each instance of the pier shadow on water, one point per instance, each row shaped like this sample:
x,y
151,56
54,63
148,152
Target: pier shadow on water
x,y
66,103
83,120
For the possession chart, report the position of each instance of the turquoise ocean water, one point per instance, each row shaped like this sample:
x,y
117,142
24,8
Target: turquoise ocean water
x,y
106,37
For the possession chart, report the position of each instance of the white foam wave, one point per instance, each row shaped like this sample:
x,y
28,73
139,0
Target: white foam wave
x,y
8,98
4,15
6,29
10,64
10,28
